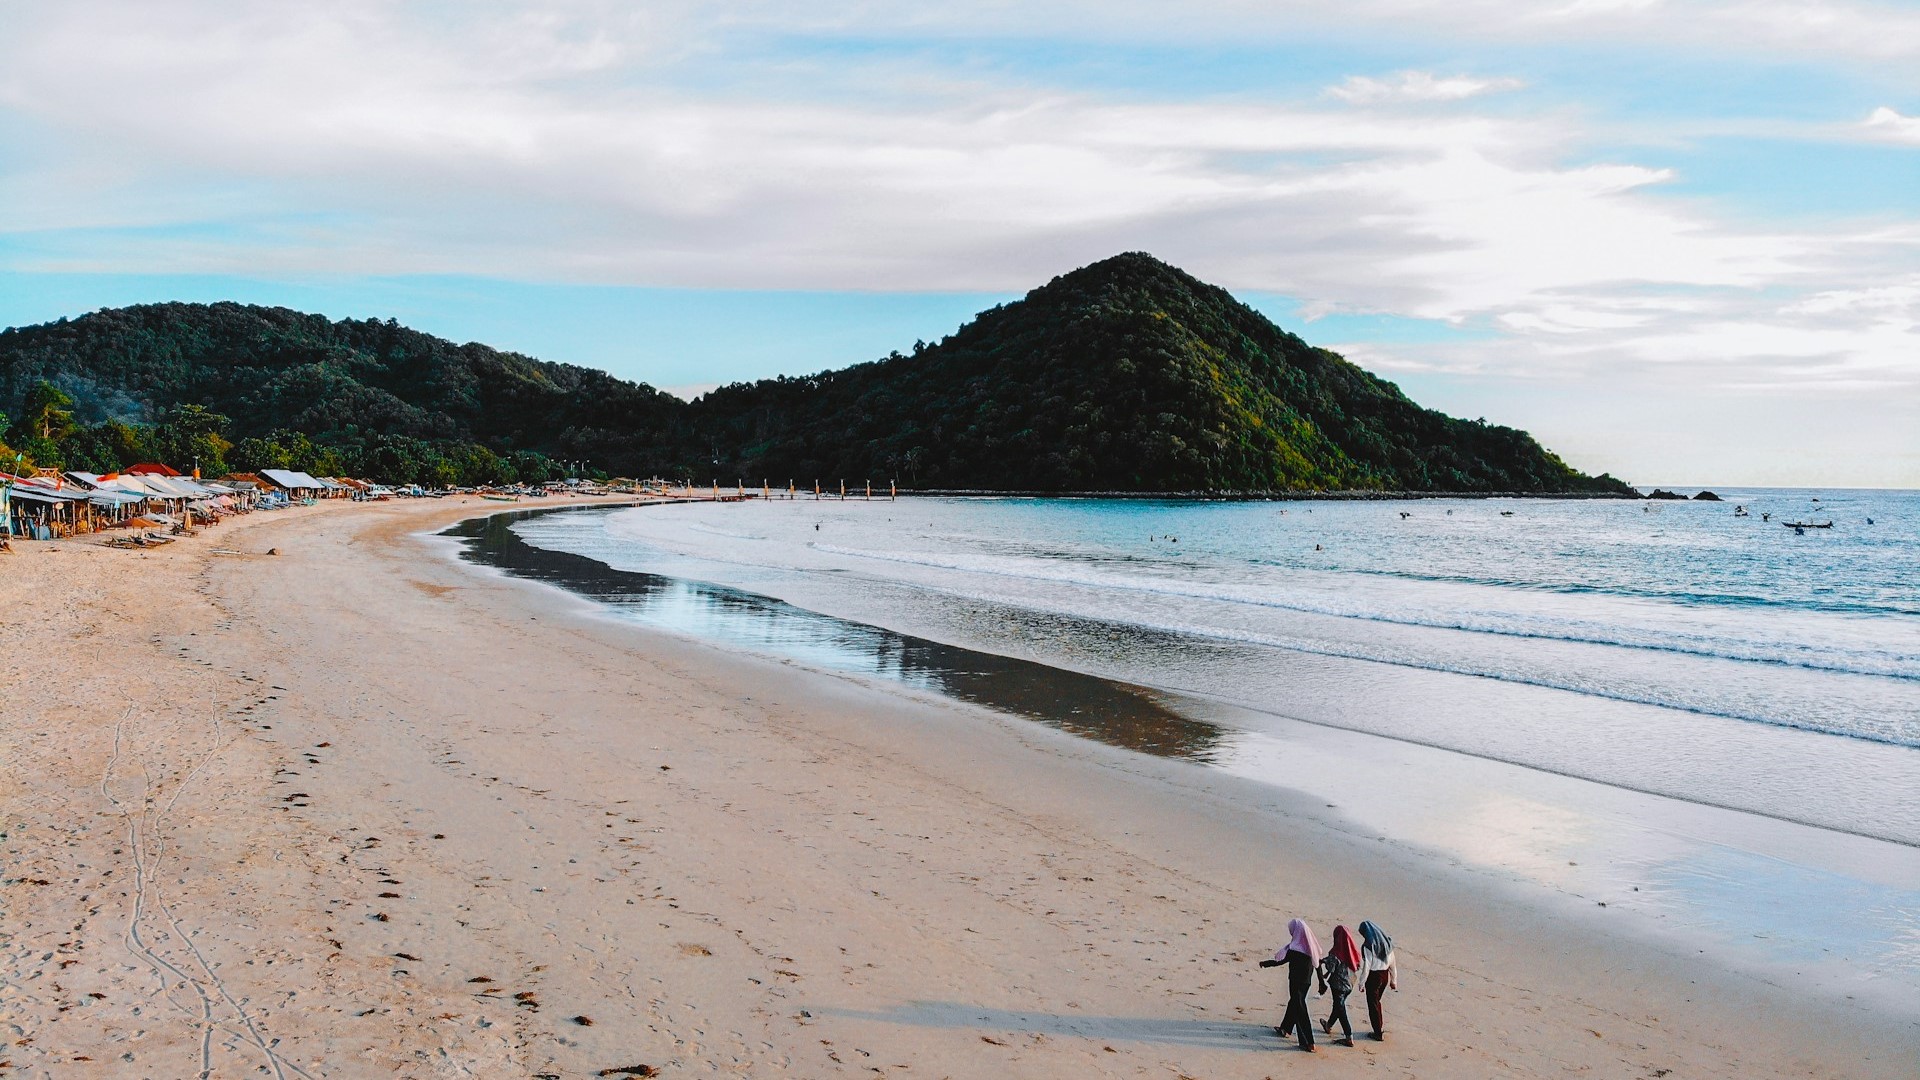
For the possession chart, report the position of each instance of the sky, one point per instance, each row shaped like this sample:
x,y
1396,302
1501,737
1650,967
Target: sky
x,y
1678,240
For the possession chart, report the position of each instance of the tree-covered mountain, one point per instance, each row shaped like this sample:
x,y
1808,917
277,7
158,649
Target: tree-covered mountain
x,y
1126,375
346,384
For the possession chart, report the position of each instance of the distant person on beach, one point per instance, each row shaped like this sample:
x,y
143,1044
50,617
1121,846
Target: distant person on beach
x,y
1338,969
1378,974
1299,957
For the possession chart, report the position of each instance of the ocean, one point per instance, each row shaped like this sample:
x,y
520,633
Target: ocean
x,y
1728,698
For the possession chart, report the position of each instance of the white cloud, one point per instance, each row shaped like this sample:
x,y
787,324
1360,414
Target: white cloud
x,y
1583,9
1886,123
1568,319
1903,297
544,143
578,142
1416,86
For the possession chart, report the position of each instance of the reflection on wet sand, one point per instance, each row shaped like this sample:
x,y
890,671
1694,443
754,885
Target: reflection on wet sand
x,y
1111,712
1214,1034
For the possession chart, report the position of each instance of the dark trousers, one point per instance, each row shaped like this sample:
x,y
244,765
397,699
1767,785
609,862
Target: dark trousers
x,y
1298,1021
1339,1016
1376,989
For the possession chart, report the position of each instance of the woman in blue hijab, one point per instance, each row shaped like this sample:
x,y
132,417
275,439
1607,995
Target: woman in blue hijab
x,y
1379,972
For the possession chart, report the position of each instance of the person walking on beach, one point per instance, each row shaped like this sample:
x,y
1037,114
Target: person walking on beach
x,y
1337,972
1299,957
1378,973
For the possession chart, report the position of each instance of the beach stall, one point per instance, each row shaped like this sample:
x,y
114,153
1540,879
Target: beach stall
x,y
297,486
113,503
264,494
147,487
39,510
169,493
243,495
112,507
197,503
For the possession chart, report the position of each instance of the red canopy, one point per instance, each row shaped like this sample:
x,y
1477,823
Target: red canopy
x,y
151,468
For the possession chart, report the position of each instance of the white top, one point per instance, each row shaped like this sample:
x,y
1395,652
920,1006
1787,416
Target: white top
x,y
1369,965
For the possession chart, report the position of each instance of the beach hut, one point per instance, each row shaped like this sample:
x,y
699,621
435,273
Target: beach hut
x,y
113,501
252,480
174,493
114,507
296,485
43,509
263,493
243,494
164,494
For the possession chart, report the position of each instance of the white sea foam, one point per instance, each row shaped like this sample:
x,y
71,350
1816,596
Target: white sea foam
x,y
1372,606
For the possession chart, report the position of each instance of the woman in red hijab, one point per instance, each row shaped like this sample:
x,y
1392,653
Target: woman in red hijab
x,y
1337,970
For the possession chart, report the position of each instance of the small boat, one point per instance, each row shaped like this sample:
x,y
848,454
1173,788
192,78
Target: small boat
x,y
1798,525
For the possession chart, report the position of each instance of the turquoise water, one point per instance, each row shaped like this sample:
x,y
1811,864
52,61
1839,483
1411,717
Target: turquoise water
x,y
1672,648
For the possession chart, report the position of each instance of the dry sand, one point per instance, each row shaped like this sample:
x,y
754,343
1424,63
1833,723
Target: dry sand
x,y
356,810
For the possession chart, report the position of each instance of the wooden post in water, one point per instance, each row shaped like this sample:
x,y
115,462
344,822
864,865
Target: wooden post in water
x,y
893,491
716,491
843,491
816,491
766,489
869,491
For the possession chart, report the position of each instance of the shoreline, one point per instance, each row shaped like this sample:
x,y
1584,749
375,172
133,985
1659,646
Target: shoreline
x,y
1202,700
1212,733
372,776
1225,495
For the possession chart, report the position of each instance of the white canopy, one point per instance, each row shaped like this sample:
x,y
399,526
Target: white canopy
x,y
295,481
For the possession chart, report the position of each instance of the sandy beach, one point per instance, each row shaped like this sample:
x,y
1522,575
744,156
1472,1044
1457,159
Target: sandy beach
x,y
357,809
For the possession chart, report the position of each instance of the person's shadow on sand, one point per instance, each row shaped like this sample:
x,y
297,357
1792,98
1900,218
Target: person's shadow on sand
x,y
1213,1034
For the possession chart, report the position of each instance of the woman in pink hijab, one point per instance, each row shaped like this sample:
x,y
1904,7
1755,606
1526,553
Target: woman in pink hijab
x,y
1300,956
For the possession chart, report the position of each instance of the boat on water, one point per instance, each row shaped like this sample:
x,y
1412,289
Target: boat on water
x,y
1808,524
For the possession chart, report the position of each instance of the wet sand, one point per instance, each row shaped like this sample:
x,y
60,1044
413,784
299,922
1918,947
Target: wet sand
x,y
358,810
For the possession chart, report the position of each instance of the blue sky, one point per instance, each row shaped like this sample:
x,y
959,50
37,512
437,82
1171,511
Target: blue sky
x,y
1657,233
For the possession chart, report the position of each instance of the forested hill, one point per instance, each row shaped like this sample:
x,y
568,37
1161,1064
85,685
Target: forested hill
x,y
355,386
1127,375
